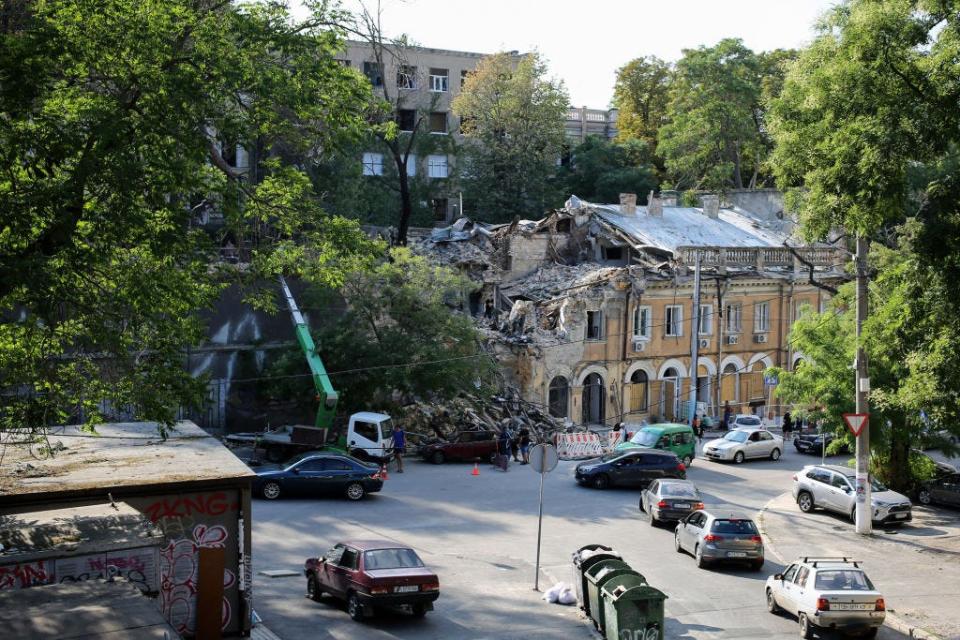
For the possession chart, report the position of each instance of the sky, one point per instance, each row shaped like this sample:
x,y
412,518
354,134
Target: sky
x,y
584,42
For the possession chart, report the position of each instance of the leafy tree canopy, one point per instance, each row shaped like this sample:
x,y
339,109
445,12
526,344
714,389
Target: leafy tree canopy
x,y
600,170
641,95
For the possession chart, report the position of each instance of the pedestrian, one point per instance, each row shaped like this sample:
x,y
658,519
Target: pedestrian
x,y
727,415
399,446
698,428
787,426
515,446
525,445
503,450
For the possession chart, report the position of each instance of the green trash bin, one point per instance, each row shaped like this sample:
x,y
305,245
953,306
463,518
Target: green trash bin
x,y
597,575
581,565
632,610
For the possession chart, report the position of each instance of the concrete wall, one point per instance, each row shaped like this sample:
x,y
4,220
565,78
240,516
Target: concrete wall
x,y
766,203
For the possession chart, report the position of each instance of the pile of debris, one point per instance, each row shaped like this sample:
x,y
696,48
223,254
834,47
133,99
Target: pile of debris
x,y
428,421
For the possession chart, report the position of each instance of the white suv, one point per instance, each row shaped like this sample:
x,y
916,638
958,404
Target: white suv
x,y
827,593
833,488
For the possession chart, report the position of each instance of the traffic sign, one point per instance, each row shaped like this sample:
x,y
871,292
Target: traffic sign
x,y
543,458
856,422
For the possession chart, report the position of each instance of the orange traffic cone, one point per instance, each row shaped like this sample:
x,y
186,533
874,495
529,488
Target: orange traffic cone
x,y
476,469
383,473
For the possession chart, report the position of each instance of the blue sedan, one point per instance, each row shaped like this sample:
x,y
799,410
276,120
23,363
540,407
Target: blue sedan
x,y
317,474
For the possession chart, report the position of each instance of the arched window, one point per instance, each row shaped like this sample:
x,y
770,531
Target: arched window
x,y
639,388
729,384
594,405
559,397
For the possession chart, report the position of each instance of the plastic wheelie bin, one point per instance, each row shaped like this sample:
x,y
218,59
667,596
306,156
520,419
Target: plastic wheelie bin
x,y
597,575
583,559
632,609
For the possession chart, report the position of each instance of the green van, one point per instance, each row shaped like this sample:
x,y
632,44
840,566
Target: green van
x,y
669,436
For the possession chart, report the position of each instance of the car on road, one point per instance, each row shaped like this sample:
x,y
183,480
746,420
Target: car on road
x,y
833,488
630,468
369,574
668,436
715,536
744,443
747,420
827,593
311,474
670,500
815,442
468,446
944,489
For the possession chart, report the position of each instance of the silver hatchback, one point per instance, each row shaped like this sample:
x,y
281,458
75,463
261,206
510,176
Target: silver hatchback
x,y
719,537
832,487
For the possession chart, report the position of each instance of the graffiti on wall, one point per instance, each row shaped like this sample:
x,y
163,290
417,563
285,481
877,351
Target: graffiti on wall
x,y
26,574
139,566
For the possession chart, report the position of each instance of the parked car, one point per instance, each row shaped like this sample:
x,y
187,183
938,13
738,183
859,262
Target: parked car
x,y
713,536
670,500
944,489
669,436
832,487
741,444
373,573
631,468
827,593
745,420
319,473
469,445
815,442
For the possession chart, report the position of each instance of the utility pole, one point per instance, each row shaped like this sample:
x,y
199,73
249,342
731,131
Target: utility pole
x,y
694,343
864,505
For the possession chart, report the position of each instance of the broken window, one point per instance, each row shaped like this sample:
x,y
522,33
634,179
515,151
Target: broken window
x,y
406,119
438,80
733,314
559,397
761,317
438,122
641,322
639,383
406,77
706,320
612,253
594,325
563,226
373,164
439,209
673,320
437,166
374,73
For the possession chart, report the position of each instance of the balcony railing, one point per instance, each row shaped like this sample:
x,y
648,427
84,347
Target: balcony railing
x,y
761,257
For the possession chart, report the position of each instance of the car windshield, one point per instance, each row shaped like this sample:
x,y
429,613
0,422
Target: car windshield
x,y
752,421
391,559
668,490
736,436
386,429
843,580
877,486
645,438
734,526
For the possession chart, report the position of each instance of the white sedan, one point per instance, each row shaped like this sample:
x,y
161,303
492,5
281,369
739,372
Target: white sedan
x,y
740,444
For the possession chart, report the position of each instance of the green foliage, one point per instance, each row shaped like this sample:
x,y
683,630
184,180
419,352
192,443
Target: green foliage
x,y
600,170
514,117
114,113
641,94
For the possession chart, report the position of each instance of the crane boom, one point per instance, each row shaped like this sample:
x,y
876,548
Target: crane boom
x,y
321,381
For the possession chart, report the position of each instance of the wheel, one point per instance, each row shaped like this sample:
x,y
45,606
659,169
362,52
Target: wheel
x,y
806,629
853,515
355,491
698,556
738,458
805,501
437,457
354,608
642,508
313,588
419,610
756,565
772,605
271,490
601,481
924,496
775,454
275,454
687,460
676,542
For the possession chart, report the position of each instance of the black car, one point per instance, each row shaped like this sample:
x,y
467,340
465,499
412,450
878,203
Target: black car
x,y
814,442
317,474
630,468
670,500
944,489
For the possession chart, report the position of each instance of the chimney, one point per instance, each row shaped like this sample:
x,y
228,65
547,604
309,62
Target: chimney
x,y
711,205
654,206
628,204
669,198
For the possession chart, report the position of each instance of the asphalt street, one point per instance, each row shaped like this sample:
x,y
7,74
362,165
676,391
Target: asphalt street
x,y
479,533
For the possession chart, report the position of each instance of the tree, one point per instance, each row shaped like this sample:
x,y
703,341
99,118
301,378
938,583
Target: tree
x,y
119,117
512,116
600,170
641,94
716,137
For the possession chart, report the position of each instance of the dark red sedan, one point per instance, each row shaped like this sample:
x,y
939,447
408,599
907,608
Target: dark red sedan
x,y
373,573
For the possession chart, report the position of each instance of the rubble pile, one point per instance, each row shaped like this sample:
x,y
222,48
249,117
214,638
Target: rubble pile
x,y
467,412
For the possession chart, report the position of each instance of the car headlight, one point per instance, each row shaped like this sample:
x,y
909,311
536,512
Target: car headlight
x,y
881,503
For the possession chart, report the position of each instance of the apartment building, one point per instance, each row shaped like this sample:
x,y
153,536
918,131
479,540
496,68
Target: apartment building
x,y
582,122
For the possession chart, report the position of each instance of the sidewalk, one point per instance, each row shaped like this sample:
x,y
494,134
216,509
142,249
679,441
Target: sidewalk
x,y
917,567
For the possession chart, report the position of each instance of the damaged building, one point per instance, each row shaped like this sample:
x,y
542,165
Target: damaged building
x,y
590,309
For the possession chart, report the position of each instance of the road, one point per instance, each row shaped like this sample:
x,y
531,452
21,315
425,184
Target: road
x,y
479,533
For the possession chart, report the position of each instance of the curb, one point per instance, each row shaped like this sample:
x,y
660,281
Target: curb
x,y
890,620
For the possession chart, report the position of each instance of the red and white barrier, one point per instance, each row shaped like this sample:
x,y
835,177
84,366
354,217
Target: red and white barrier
x,y
577,446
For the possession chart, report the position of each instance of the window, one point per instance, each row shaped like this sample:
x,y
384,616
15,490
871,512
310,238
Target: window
x,y
439,209
438,122
761,317
412,164
374,73
819,475
463,77
843,580
437,166
337,464
438,80
373,164
406,77
639,383
706,319
349,558
673,320
558,397
612,253
594,325
789,573
839,482
641,322
801,580
314,464
406,119
734,314
391,559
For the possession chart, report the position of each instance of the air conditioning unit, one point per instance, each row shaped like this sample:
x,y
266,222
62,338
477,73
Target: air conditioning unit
x,y
733,339
760,338
639,345
704,343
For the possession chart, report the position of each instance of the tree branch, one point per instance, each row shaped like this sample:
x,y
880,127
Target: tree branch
x,y
810,266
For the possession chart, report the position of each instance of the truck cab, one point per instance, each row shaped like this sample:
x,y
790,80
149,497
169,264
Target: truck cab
x,y
369,436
